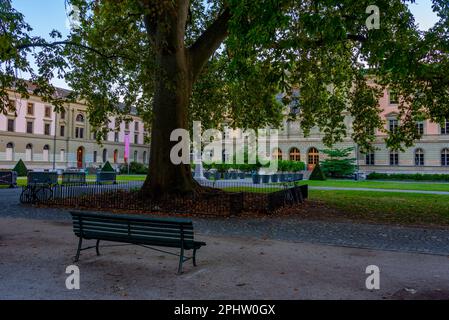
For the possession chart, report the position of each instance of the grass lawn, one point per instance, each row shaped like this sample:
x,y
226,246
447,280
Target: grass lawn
x,y
403,208
422,186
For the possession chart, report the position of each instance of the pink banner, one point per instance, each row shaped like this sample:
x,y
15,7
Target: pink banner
x,y
126,147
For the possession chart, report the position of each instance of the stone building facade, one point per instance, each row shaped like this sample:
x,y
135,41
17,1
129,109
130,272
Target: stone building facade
x,y
44,139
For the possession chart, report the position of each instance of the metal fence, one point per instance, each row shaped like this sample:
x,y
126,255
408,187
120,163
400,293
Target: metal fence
x,y
222,198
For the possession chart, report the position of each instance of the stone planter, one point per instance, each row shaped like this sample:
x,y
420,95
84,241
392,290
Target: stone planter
x,y
274,178
282,177
256,178
265,178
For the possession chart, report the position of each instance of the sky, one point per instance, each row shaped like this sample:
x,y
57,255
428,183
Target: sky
x,y
47,15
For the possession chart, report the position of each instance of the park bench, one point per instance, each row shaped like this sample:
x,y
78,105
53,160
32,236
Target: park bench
x,y
103,177
136,230
42,178
8,178
73,178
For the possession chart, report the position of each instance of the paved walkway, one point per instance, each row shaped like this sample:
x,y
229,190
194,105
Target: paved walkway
x,y
293,229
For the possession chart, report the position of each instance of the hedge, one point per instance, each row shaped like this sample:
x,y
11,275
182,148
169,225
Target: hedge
x,y
405,176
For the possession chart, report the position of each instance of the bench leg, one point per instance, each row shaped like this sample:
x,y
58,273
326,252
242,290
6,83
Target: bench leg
x,y
194,257
97,247
181,261
77,257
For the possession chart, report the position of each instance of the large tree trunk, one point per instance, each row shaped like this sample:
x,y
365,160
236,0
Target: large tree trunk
x,y
177,67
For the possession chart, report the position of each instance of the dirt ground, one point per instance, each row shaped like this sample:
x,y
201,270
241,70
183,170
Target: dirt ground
x,y
34,255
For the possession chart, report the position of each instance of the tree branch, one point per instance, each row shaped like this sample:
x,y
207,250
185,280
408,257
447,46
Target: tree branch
x,y
209,42
70,43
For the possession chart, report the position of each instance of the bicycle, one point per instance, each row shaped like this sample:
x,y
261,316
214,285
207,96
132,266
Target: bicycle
x,y
36,193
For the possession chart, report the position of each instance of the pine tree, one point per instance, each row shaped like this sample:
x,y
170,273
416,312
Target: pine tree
x,y
317,174
21,169
107,167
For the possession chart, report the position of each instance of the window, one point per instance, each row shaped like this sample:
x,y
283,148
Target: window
x,y
79,133
295,154
393,125
420,127
445,127
11,123
393,97
370,159
115,156
135,156
45,153
62,131
29,152
394,158
105,155
126,125
12,106
62,155
62,114
30,127
116,137
80,118
47,112
30,109
419,157
10,151
95,156
47,129
136,126
136,139
445,157
144,158
313,156
277,154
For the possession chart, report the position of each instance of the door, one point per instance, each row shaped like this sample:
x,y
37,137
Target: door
x,y
80,157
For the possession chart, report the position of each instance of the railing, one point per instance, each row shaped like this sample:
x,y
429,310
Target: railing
x,y
223,198
8,178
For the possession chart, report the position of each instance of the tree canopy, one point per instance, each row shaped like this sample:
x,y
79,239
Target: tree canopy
x,y
237,55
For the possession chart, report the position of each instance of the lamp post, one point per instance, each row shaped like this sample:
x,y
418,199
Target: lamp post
x,y
54,141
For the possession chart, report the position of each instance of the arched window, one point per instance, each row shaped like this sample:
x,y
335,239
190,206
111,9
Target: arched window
x,y
115,156
135,156
144,158
45,153
313,156
419,157
277,154
29,152
95,156
295,154
80,118
10,151
105,155
445,157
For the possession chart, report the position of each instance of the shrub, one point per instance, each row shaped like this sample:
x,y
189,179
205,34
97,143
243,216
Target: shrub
x,y
317,174
107,167
338,165
21,169
134,168
405,176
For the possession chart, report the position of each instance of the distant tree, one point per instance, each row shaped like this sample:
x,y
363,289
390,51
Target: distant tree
x,y
107,167
317,174
21,169
338,164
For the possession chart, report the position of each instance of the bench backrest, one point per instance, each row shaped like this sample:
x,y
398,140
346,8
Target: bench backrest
x,y
106,176
133,229
73,177
42,178
8,177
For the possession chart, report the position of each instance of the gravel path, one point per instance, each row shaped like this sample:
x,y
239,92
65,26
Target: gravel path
x,y
371,236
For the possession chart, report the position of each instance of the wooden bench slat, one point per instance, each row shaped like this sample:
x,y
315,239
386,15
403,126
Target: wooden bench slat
x,y
139,224
132,232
